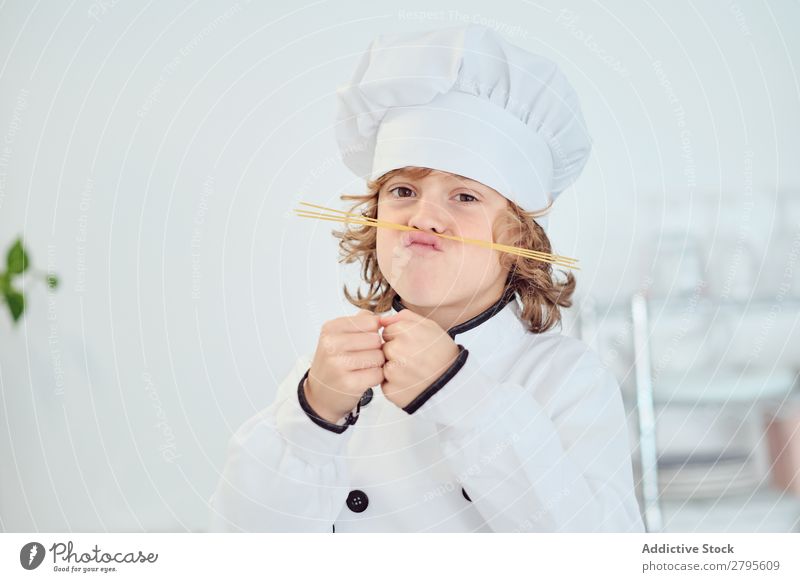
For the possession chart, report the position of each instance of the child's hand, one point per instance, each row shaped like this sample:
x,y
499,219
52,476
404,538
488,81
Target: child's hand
x,y
348,360
417,352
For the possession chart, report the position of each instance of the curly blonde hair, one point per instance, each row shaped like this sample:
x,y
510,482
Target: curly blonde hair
x,y
533,281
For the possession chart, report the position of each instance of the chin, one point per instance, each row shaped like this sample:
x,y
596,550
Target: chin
x,y
423,294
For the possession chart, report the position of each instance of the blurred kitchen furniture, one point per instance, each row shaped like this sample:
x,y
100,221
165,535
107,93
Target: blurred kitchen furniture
x,y
783,439
648,454
733,468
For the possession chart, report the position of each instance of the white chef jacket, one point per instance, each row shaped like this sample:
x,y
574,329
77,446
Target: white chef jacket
x,y
525,432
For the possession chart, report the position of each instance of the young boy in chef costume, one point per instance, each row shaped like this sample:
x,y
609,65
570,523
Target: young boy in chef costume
x,y
448,402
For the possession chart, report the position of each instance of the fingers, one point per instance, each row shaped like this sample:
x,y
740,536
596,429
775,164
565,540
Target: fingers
x,y
362,360
350,342
393,352
403,315
394,361
363,321
396,329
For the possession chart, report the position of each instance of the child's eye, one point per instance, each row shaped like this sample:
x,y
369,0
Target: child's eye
x,y
401,190
405,192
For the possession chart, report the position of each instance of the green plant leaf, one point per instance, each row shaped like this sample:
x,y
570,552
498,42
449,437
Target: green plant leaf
x,y
16,303
52,281
17,258
5,283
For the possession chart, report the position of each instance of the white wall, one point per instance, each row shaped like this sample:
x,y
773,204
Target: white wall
x,y
153,152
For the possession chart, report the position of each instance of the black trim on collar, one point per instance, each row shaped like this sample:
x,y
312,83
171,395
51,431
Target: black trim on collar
x,y
489,312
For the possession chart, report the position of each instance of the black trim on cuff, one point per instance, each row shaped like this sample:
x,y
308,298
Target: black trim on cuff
x,y
351,417
440,382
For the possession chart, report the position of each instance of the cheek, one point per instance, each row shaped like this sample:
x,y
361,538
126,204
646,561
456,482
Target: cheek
x,y
390,253
474,261
385,240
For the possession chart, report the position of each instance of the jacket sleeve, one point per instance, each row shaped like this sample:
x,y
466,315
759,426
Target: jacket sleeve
x,y
283,472
562,464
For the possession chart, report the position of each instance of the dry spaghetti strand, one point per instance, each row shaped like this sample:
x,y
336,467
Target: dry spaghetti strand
x,y
461,239
347,217
366,221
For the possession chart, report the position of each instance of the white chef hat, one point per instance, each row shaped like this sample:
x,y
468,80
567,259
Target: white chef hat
x,y
463,100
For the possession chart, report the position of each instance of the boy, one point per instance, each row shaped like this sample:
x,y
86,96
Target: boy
x,y
462,410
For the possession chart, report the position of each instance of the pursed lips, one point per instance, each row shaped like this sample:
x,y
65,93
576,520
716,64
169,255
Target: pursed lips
x,y
421,240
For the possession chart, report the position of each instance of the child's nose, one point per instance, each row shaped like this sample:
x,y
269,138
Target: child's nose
x,y
429,216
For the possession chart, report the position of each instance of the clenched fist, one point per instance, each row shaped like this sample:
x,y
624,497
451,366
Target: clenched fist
x,y
417,352
347,361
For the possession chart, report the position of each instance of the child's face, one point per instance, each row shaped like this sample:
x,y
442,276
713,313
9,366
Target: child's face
x,y
444,203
